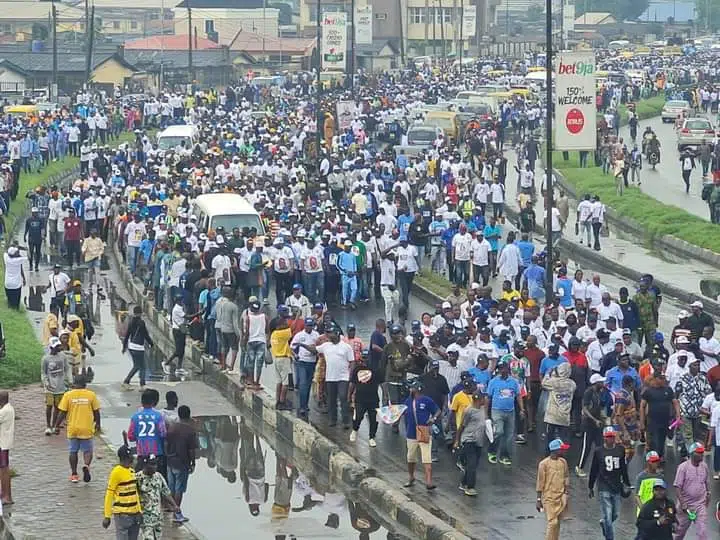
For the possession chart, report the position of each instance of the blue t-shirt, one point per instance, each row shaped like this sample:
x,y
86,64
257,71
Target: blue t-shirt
x,y
404,222
526,251
147,428
424,409
614,377
549,364
480,376
503,393
490,231
375,357
564,289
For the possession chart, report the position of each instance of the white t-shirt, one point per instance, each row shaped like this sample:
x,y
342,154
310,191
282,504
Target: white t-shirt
x,y
480,252
579,290
303,355
712,346
338,357
134,233
58,282
598,212
497,193
594,293
461,243
221,264
406,258
585,210
556,226
387,272
312,259
13,275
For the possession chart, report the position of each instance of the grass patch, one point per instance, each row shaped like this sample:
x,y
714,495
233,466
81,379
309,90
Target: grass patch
x,y
24,350
657,218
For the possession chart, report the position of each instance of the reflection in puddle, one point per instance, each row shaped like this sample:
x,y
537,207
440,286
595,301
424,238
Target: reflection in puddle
x,y
234,463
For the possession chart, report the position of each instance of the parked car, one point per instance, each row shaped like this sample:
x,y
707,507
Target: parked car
x,y
694,132
675,107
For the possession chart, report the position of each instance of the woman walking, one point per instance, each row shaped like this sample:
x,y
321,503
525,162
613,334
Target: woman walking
x,y
135,339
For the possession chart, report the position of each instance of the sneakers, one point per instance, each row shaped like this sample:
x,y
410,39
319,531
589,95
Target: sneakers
x,y
49,431
372,443
353,436
520,439
492,458
142,388
178,517
461,466
462,487
126,387
505,461
716,476
166,368
579,472
86,474
470,492
74,478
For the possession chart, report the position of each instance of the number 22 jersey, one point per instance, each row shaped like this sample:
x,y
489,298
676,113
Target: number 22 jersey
x,y
147,429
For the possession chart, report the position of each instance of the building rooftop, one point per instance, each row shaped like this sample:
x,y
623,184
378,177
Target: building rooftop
x,y
170,43
253,43
593,18
28,10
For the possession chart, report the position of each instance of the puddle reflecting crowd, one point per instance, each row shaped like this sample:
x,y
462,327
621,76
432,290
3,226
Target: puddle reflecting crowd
x,y
478,375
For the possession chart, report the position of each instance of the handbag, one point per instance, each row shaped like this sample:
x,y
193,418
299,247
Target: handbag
x,y
422,433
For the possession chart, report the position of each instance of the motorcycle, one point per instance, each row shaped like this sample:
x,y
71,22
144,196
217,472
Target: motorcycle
x,y
654,158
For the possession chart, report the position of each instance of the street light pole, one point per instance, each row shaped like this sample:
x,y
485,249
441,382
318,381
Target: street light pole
x,y
318,92
549,195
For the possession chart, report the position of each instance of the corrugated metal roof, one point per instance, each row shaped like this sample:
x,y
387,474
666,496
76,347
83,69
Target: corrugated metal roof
x,y
595,17
170,43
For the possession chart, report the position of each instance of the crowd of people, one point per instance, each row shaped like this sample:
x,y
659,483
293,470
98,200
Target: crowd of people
x,y
356,225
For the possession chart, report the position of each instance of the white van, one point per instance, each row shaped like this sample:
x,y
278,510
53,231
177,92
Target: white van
x,y
227,210
174,136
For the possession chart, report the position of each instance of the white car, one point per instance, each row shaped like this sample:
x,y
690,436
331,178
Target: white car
x,y
694,132
675,108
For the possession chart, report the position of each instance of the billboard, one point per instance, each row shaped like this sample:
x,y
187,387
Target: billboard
x,y
363,25
575,122
345,114
469,22
334,41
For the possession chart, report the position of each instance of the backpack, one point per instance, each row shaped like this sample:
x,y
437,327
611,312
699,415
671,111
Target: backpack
x,y
707,191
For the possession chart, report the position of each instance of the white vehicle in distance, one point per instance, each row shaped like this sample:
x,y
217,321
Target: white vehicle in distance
x,y
675,108
694,132
174,136
226,210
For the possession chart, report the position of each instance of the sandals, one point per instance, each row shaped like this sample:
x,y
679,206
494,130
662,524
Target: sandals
x,y
409,483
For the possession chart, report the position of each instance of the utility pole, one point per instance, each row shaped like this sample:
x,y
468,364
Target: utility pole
x,y
462,43
352,45
162,44
264,15
434,12
507,27
90,40
191,70
53,16
319,89
87,39
402,38
442,30
549,195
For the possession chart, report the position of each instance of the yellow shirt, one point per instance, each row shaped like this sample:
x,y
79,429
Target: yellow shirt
x,y
121,495
460,402
50,324
509,295
75,344
79,404
280,343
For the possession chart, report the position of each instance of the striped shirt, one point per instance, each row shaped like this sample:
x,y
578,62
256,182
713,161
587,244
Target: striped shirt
x,y
121,495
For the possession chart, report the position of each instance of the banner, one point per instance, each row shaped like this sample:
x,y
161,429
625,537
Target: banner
x,y
334,41
469,15
575,121
363,26
345,114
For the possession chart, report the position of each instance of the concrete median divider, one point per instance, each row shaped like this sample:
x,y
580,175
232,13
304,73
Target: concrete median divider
x,y
303,437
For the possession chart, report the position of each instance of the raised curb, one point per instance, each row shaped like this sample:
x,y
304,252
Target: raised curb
x,y
666,242
323,451
5,531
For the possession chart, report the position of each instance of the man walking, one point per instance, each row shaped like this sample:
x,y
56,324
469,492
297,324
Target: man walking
x,y
7,438
553,483
122,500
504,394
609,471
657,516
82,409
693,493
180,445
594,401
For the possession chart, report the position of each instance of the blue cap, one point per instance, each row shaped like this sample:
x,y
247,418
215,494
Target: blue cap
x,y
659,337
415,324
435,364
309,321
318,305
297,286
557,444
282,307
659,482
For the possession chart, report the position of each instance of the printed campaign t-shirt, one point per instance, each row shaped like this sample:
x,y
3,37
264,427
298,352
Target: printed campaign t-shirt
x,y
502,392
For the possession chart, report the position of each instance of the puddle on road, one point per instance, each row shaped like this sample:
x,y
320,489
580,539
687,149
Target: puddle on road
x,y
242,483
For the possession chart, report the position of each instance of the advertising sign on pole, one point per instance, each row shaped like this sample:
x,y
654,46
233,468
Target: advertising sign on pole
x,y
575,122
334,41
469,21
363,25
345,114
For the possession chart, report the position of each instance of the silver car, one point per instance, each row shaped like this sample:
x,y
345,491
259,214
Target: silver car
x,y
675,108
694,132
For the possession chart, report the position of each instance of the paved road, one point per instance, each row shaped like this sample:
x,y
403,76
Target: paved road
x,y
665,183
41,489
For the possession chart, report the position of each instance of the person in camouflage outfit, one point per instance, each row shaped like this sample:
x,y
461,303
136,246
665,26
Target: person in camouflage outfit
x,y
153,491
